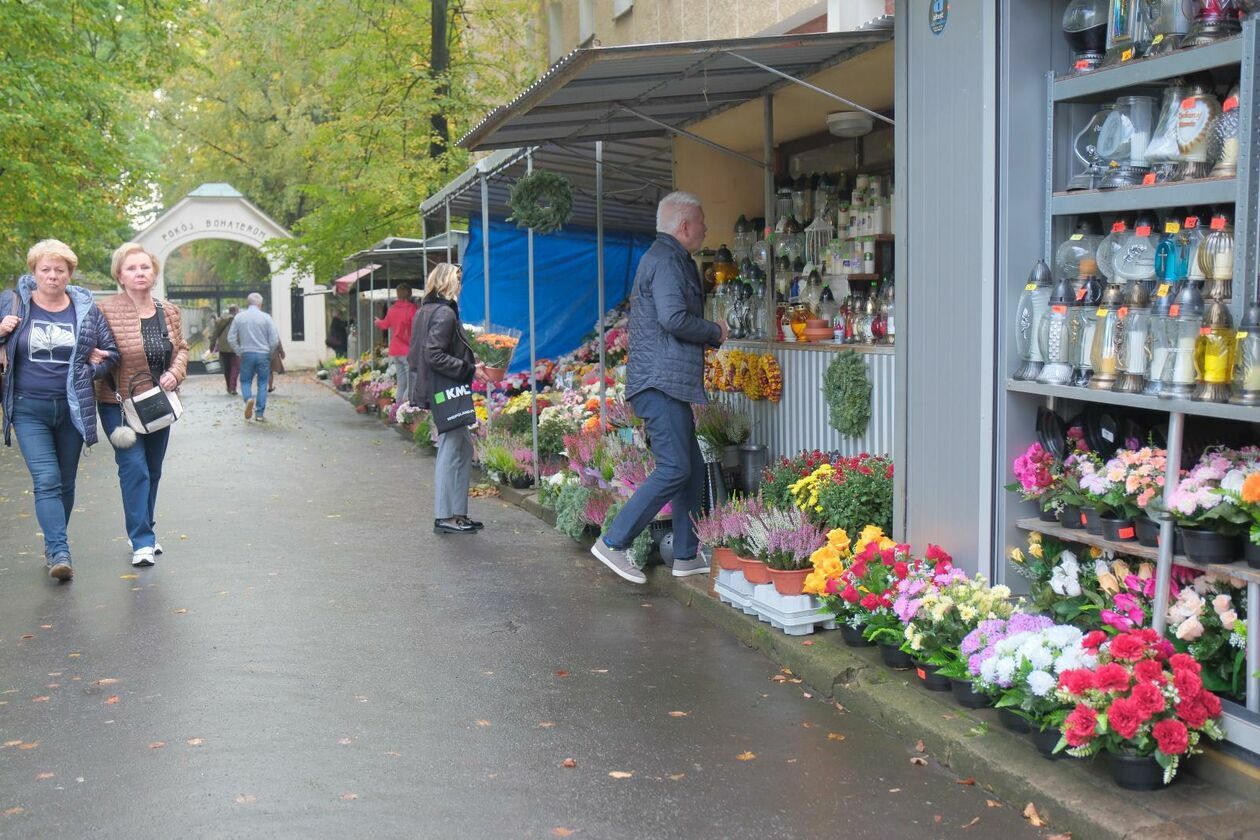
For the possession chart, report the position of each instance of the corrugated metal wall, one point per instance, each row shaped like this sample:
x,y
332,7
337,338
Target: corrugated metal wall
x,y
799,420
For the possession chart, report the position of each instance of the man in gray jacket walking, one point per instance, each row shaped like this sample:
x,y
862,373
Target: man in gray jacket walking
x,y
254,335
664,376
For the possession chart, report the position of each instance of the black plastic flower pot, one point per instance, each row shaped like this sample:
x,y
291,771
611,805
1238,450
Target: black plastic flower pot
x,y
1091,520
1070,517
894,657
1147,531
928,677
968,697
1179,545
1251,553
1045,741
853,636
1208,546
1048,515
1136,772
1118,530
1012,721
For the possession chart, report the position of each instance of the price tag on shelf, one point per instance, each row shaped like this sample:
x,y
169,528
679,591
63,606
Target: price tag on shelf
x,y
1030,287
1205,330
1143,230
1192,222
1158,39
1163,289
1080,293
1218,223
1102,312
1076,237
1119,226
1172,227
1083,64
1148,179
1122,312
1229,104
1174,310
1127,55
1242,334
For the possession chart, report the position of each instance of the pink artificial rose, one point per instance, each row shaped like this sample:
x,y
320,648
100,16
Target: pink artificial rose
x,y
1190,629
1228,619
1221,603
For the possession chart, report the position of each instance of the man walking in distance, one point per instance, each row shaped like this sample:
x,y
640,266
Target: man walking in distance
x,y
254,335
227,354
398,322
664,376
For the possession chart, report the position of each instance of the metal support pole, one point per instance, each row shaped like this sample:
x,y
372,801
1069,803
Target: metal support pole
x,y
533,373
599,273
767,153
1253,650
424,243
485,242
448,230
1163,569
814,88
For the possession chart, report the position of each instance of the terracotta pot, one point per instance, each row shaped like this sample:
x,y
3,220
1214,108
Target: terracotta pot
x,y
360,409
383,403
755,571
789,582
816,324
726,559
853,636
929,679
1207,546
1118,530
1136,772
495,374
1070,517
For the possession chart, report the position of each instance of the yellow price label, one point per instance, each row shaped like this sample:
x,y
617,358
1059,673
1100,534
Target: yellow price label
x,y
1077,237
1242,334
1030,287
1172,227
1158,39
1102,312
1127,54
1163,289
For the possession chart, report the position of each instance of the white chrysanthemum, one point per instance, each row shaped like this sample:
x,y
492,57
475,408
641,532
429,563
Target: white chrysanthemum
x,y
988,670
1069,660
1041,684
1072,588
1233,480
1005,669
1038,656
1069,564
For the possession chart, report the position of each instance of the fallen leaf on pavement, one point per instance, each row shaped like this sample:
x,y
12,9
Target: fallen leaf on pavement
x,y
840,708
778,678
73,655
28,635
1030,814
30,745
12,812
111,700
545,724
675,777
677,714
128,577
834,736
43,698
970,780
747,755
569,762
483,723
918,761
106,681
349,797
562,673
561,831
195,742
246,799
807,643
40,777
973,822
993,803
157,745
1064,836
620,774
919,746
345,742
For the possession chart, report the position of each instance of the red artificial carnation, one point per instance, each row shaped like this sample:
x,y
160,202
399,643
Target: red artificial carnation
x,y
1210,703
1147,635
938,555
1093,639
888,556
901,570
831,586
1184,662
1189,684
1164,649
858,569
1127,646
1079,726
1077,681
870,601
1149,699
1192,712
1171,736
1124,717
1150,671
850,594
1111,677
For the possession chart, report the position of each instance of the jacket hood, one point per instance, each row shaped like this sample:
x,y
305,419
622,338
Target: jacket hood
x,y
78,294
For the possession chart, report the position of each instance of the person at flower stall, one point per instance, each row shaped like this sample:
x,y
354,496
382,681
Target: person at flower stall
x,y
664,376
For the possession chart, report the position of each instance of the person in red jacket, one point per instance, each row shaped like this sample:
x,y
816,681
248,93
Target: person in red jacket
x,y
398,321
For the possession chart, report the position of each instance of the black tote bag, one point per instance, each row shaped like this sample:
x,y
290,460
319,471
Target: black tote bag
x,y
451,403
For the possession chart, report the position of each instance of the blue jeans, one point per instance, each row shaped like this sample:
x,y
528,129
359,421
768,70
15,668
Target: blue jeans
x,y
139,471
255,365
51,446
678,477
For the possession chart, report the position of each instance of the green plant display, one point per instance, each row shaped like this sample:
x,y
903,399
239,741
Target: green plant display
x,y
641,549
423,432
848,394
542,201
551,432
570,503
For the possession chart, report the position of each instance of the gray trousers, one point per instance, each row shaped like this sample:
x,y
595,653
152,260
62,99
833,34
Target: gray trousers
x,y
451,472
402,378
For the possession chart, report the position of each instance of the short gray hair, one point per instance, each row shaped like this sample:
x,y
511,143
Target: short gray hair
x,y
254,299
672,209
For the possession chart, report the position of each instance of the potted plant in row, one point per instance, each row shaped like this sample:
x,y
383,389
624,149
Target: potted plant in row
x,y
764,526
505,463
861,594
788,553
721,429
1061,585
1210,523
973,677
722,530
1246,498
1036,475
1146,709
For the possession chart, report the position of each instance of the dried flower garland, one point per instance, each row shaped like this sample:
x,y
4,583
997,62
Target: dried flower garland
x,y
542,201
756,375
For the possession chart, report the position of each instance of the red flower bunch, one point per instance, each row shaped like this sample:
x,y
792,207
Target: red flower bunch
x,y
1138,699
865,590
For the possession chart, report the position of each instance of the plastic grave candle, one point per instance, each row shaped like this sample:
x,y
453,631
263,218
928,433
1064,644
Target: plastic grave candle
x,y
1122,142
1085,27
1216,258
1135,317
1168,25
1246,387
1169,254
1105,355
1215,20
1082,242
1087,297
1194,121
1193,231
1085,148
1163,153
1214,354
1053,337
1135,261
1111,244
1223,142
1187,316
1161,338
744,238
1033,303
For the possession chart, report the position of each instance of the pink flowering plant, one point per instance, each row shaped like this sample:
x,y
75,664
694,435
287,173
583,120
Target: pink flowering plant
x,y
1204,620
1135,478
1196,502
782,538
1036,475
725,527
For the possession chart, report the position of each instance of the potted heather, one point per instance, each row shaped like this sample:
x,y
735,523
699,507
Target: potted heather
x,y
788,553
765,524
722,529
1146,709
720,429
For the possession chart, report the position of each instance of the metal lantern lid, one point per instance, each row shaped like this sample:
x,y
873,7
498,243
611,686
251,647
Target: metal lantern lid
x,y
1217,315
723,255
1062,294
1113,296
1040,274
1189,303
1251,318
1161,304
1085,25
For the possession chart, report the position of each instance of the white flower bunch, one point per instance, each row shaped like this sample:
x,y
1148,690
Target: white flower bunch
x,y
1065,580
1031,662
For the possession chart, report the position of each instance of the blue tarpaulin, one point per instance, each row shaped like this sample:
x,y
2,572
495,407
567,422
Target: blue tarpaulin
x,y
565,282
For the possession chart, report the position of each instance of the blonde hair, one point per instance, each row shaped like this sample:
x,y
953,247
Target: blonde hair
x,y
51,248
126,250
444,281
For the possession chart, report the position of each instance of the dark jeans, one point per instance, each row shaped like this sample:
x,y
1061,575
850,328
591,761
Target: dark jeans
x,y
678,477
51,446
231,370
139,471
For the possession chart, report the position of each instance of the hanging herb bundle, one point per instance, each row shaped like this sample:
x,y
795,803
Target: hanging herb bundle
x,y
542,201
848,394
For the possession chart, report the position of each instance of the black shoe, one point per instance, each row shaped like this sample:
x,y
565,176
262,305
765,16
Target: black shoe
x,y
441,526
477,526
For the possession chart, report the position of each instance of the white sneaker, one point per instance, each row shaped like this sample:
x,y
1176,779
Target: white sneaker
x,y
142,556
157,549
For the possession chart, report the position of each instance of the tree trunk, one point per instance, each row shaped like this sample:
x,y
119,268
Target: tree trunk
x,y
439,64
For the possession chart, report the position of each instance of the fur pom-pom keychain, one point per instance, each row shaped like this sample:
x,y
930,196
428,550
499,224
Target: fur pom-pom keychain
x,y
123,437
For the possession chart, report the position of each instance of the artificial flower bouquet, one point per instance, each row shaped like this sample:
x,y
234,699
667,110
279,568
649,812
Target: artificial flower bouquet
x,y
1061,584
493,346
724,527
1139,698
828,562
1241,488
1197,502
1204,621
861,595
781,538
1139,479
939,605
1036,475
1023,668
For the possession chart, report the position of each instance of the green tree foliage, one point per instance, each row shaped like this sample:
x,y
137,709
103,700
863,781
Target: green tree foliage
x,y
325,113
76,153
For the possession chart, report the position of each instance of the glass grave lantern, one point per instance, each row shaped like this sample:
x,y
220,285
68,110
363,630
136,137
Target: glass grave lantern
x,y
1085,149
1166,24
1194,122
1214,20
1193,232
793,242
1122,141
783,201
1105,353
1179,375
1088,293
743,239
1223,138
802,196
1110,246
1123,18
1135,323
724,268
1163,153
1216,258
1214,354
1246,385
1161,338
1033,303
1135,260
1053,339
1082,242
1085,27
1170,257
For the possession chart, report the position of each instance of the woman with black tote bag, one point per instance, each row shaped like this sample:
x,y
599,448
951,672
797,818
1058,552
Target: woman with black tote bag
x,y
442,367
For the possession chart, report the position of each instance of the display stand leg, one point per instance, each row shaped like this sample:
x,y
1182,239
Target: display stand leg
x,y
1253,648
1163,570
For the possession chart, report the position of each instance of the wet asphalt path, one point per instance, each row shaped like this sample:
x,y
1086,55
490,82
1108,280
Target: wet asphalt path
x,y
309,660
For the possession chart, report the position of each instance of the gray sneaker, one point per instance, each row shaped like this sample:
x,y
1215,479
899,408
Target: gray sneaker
x,y
619,561
697,565
59,567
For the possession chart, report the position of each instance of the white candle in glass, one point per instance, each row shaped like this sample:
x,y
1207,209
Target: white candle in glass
x,y
1183,365
1136,361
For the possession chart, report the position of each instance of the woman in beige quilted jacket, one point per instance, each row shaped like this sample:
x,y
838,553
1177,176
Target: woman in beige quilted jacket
x,y
150,338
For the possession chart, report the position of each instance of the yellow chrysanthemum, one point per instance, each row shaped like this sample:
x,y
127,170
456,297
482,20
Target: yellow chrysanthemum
x,y
815,583
870,532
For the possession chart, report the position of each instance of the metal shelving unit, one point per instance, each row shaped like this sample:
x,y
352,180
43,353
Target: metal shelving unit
x,y
1067,102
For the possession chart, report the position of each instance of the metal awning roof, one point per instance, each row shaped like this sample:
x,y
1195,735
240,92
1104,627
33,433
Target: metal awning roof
x,y
604,93
346,282
395,259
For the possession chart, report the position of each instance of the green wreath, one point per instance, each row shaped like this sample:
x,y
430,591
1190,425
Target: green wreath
x,y
848,394
542,201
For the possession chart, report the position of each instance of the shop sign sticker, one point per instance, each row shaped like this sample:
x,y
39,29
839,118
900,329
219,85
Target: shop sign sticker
x,y
938,16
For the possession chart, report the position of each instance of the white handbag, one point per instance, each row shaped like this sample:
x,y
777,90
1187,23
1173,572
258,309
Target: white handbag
x,y
152,409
